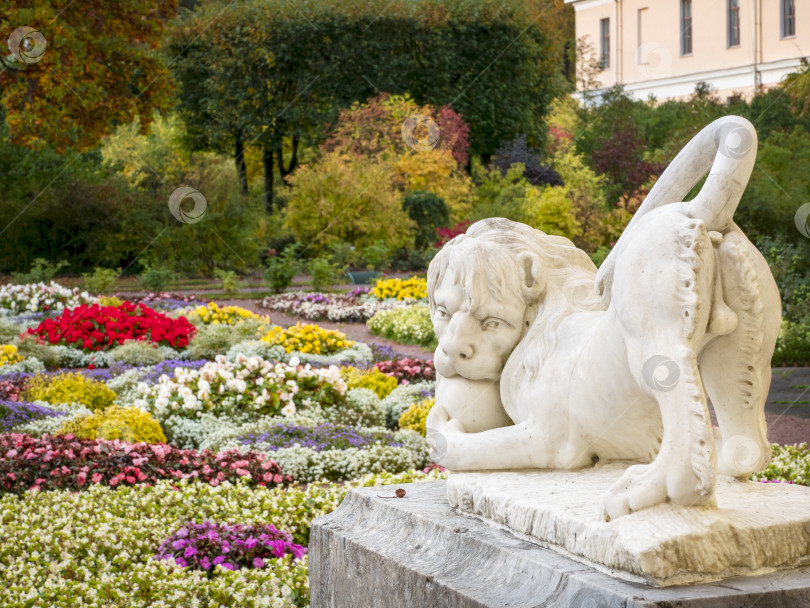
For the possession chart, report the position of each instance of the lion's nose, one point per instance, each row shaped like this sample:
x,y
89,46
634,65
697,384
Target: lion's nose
x,y
462,350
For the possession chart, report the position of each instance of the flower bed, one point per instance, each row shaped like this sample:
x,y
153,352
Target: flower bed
x,y
40,298
789,464
373,379
408,370
326,436
400,289
403,397
321,451
9,355
414,417
409,325
17,413
64,462
248,386
96,548
308,339
327,307
96,328
69,388
233,546
213,314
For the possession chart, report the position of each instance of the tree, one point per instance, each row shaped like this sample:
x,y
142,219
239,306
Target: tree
x,y
350,199
100,68
274,72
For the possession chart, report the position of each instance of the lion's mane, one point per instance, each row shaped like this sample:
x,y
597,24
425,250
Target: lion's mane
x,y
486,258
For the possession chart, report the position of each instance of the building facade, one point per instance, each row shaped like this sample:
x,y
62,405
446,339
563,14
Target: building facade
x,y
664,48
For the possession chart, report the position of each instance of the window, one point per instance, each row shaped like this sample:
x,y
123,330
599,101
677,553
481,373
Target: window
x,y
604,43
733,22
686,27
788,18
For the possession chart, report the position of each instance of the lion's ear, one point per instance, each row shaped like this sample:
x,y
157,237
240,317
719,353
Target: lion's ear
x,y
533,278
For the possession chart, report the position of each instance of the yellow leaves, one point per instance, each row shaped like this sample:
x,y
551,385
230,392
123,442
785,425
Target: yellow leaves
x,y
436,171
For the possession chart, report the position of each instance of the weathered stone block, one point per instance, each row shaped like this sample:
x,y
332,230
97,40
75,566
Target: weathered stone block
x,y
418,552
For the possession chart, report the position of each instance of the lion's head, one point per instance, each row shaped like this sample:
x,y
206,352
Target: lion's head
x,y
488,287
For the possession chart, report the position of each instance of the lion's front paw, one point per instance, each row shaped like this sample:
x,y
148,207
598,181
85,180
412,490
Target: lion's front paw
x,y
646,485
639,487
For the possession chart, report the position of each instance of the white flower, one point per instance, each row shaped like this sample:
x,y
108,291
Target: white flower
x,y
288,410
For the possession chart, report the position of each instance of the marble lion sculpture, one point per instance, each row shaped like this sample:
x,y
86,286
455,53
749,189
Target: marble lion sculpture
x,y
543,362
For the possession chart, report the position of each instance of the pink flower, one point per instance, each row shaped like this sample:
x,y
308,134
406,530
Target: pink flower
x,y
214,482
81,478
96,477
11,453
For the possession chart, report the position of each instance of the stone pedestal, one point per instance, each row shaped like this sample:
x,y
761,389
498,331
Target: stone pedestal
x,y
756,527
418,552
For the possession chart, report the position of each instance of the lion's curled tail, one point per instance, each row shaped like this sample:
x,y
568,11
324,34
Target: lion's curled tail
x,y
726,150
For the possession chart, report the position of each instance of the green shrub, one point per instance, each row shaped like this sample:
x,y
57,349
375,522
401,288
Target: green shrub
x,y
281,269
155,278
376,256
793,344
429,212
407,325
42,271
230,282
100,280
46,353
9,331
324,273
352,199
135,352
213,340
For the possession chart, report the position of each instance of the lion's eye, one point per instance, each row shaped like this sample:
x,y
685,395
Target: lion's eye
x,y
442,313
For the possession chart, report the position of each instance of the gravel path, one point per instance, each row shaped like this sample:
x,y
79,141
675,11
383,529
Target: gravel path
x,y
783,428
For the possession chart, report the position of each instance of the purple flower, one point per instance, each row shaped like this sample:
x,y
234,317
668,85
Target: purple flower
x,y
207,543
15,413
326,436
